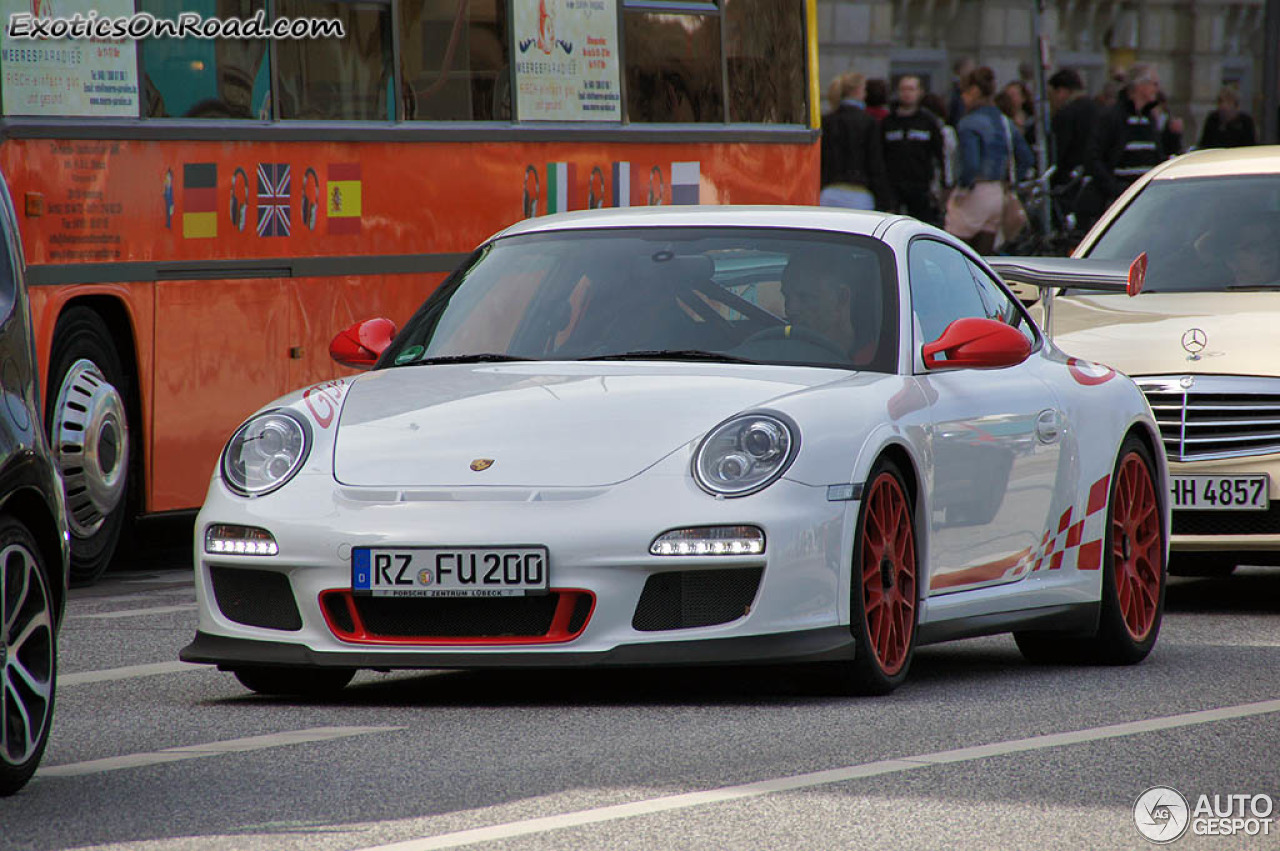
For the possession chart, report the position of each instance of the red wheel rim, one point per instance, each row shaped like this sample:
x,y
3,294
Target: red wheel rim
x,y
888,573
1137,552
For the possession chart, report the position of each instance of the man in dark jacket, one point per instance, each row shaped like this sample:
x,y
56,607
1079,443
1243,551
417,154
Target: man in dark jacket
x,y
1227,126
853,173
1072,126
1126,142
912,151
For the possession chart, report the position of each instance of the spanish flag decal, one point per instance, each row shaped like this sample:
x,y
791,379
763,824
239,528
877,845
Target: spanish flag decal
x,y
199,200
343,198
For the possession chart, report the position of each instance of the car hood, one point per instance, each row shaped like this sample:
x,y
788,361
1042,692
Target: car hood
x,y
1144,335
541,424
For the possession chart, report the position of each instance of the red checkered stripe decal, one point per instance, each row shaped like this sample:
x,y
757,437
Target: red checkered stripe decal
x,y
1079,543
1081,540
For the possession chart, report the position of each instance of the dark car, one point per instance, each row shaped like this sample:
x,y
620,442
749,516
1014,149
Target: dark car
x,y
33,531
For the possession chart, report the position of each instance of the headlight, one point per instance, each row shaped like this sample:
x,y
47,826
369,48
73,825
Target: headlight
x,y
265,453
745,454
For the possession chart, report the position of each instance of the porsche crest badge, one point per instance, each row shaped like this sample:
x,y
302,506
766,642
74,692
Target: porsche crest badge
x,y
481,464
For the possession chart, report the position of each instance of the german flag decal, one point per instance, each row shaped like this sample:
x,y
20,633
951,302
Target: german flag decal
x,y
199,200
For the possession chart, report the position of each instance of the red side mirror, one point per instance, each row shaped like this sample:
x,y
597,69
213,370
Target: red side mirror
x,y
981,343
360,345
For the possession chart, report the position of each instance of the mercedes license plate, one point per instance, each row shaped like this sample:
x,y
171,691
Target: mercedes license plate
x,y
1221,493
448,571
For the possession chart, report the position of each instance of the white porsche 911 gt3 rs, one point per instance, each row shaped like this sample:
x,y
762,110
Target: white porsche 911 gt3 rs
x,y
694,436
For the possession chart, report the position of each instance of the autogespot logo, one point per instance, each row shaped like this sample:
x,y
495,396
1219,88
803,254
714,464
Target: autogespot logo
x,y
1161,814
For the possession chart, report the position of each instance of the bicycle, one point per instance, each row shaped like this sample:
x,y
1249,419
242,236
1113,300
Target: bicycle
x,y
1064,231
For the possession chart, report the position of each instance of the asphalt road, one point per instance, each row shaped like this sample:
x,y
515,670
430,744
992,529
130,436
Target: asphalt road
x,y
979,750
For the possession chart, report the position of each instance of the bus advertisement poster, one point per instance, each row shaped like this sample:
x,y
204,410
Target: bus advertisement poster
x,y
567,61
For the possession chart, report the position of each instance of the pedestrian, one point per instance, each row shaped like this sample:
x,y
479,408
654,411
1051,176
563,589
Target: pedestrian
x,y
945,179
913,151
1169,126
960,71
1126,142
1227,126
853,172
877,98
987,139
1071,128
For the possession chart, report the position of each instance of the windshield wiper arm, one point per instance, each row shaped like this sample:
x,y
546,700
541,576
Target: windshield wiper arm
x,y
480,358
673,354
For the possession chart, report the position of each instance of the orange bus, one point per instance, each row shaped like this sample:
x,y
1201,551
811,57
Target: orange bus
x,y
200,216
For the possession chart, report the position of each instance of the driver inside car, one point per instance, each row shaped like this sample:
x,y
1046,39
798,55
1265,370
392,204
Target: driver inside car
x,y
821,298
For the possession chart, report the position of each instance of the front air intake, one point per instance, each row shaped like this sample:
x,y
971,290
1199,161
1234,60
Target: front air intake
x,y
260,598
680,599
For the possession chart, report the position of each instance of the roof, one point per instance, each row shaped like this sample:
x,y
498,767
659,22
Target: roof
x,y
1222,162
811,218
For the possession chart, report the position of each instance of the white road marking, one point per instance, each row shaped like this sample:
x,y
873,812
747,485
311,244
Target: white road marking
x,y
128,613
526,827
250,743
127,673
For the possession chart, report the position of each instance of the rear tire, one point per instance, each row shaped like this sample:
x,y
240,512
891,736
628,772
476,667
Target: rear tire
x,y
884,610
294,682
86,413
28,656
1133,575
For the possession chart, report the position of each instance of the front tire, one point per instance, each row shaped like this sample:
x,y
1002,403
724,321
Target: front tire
x,y
28,656
1134,577
884,611
294,682
88,422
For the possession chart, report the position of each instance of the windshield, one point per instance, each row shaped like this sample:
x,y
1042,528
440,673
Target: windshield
x,y
756,295
1201,234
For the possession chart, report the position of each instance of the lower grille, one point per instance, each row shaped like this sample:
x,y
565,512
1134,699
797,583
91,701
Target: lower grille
x,y
541,619
680,599
260,598
1227,522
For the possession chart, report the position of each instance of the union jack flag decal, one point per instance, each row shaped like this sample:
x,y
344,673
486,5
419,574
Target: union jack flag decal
x,y
273,199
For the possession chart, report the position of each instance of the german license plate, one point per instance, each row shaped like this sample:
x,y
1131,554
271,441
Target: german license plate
x,y
448,571
1221,493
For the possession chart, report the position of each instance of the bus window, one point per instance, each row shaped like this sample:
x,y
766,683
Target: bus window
x,y
673,67
765,42
345,78
201,77
454,59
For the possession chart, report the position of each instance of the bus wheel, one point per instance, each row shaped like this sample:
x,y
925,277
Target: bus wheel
x,y
89,434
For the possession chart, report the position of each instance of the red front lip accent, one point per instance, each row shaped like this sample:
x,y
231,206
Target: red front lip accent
x,y
557,633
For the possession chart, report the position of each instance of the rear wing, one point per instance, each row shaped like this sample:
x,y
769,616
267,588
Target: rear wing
x,y
1038,278
1061,273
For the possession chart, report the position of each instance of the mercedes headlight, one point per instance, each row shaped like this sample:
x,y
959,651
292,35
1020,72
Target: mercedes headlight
x,y
745,454
265,452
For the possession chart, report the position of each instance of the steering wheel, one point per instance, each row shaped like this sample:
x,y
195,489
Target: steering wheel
x,y
801,334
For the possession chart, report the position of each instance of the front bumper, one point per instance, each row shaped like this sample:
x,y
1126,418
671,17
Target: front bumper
x,y
598,542
1247,532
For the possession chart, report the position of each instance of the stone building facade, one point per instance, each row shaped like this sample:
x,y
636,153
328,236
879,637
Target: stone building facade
x,y
1197,45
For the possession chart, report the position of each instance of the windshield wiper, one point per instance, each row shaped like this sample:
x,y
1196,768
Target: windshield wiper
x,y
673,354
481,358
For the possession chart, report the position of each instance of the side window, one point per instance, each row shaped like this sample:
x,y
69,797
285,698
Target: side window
x,y
999,305
764,41
339,79
203,77
943,289
454,60
673,66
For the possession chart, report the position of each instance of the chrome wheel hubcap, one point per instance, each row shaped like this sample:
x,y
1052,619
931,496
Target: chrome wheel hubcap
x,y
91,439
